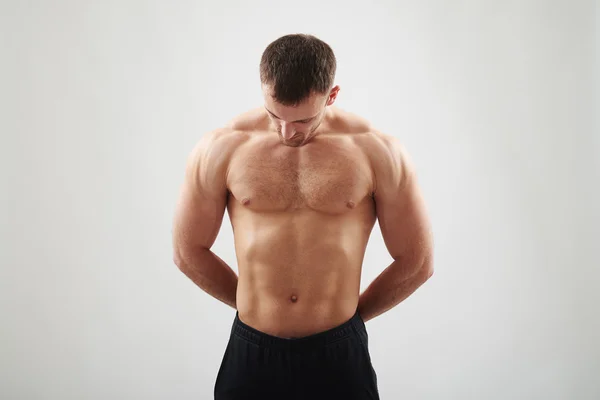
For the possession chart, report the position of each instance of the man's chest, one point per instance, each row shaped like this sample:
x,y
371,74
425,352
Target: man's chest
x,y
330,179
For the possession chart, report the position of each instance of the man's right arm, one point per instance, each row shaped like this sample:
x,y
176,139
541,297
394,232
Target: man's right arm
x,y
199,215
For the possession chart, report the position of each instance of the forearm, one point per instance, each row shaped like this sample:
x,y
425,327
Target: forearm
x,y
397,282
211,274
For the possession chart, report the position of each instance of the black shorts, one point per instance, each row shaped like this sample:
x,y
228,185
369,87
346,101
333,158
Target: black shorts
x,y
334,364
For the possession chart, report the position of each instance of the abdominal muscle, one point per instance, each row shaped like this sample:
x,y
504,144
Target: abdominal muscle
x,y
299,271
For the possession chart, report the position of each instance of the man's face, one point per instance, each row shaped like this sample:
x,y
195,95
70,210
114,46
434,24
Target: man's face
x,y
296,124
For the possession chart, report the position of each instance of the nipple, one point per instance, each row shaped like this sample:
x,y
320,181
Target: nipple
x,y
245,201
350,204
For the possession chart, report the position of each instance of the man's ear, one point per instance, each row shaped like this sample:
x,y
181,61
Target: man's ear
x,y
333,93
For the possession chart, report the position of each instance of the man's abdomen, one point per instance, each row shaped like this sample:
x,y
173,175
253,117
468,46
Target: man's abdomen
x,y
296,311
299,272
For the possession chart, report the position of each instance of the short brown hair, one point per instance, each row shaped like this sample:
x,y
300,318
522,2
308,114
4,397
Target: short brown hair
x,y
297,65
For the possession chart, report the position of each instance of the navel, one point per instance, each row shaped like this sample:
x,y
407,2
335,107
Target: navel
x,y
294,298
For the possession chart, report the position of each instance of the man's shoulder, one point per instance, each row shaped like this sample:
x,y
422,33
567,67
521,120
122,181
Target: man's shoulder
x,y
215,148
385,152
362,129
225,136
376,144
349,123
236,131
250,120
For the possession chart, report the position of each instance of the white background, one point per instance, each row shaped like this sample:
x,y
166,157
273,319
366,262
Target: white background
x,y
100,103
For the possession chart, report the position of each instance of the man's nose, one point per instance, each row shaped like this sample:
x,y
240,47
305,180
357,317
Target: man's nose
x,y
287,128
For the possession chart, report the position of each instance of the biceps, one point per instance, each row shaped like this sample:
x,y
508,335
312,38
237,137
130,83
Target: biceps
x,y
198,218
404,223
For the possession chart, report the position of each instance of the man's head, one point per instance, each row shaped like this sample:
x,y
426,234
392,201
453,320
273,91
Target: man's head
x,y
297,73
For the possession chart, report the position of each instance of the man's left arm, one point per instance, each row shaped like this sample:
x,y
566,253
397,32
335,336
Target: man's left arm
x,y
405,229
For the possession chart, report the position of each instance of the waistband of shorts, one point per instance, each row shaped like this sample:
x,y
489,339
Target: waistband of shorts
x,y
347,329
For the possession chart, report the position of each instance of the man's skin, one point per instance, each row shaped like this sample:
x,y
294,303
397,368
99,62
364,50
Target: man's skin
x,y
303,196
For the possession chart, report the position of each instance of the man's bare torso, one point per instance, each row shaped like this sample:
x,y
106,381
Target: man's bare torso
x,y
301,218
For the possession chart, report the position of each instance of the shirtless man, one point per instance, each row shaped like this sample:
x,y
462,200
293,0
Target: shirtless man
x,y
303,183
